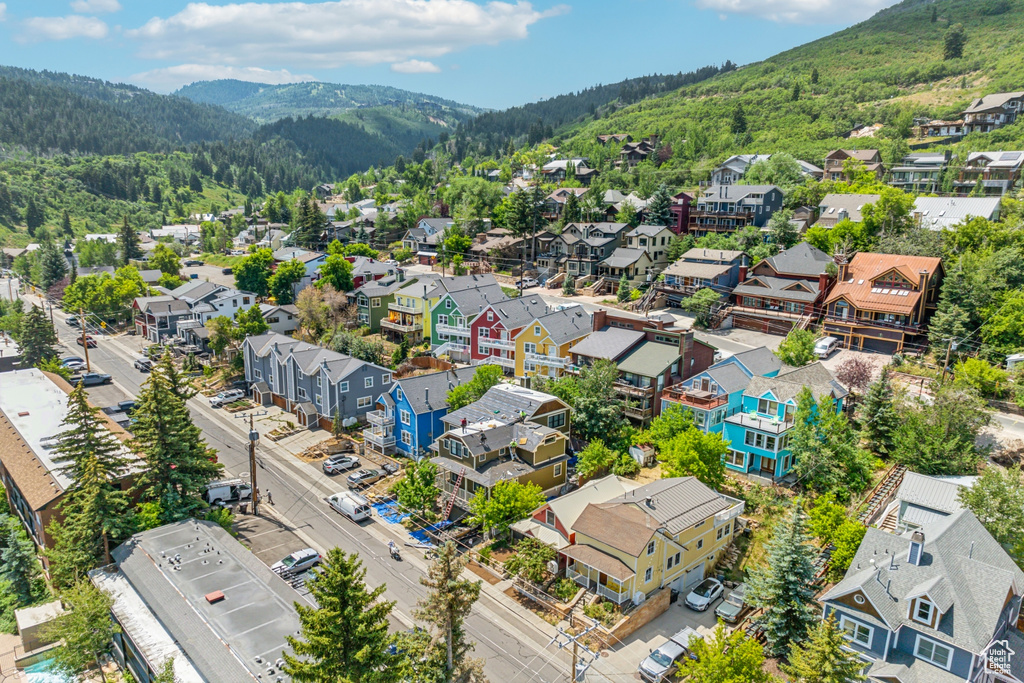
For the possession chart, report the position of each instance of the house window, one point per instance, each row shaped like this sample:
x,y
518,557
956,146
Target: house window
x,y
398,394
536,330
557,420
367,382
490,316
375,303
721,532
245,300
754,439
673,560
299,375
558,470
319,381
442,320
648,574
407,438
856,631
404,417
364,402
549,517
302,393
448,303
933,652
319,401
485,333
700,543
924,610
259,375
385,378
767,407
769,443
736,458
650,548
343,387
698,418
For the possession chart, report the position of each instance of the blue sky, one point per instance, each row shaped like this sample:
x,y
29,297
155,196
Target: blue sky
x,y
488,53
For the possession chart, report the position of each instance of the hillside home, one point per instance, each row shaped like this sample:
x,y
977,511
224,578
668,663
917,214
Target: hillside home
x,y
542,346
493,332
727,208
990,173
717,269
499,244
310,381
732,170
920,172
554,203
835,208
760,431
920,500
425,236
407,417
669,533
227,302
586,245
717,393
937,128
556,171
615,138
632,153
882,302
937,213
835,162
157,317
281,319
939,604
990,112
451,316
366,269
552,522
654,239
781,290
680,210
636,264
373,300
511,433
311,261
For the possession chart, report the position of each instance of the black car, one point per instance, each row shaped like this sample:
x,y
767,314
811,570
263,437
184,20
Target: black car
x,y
190,263
226,271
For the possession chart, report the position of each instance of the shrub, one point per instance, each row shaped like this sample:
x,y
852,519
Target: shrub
x,y
626,466
564,589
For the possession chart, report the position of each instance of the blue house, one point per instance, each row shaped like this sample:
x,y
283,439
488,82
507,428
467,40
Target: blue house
x,y
408,417
936,604
759,431
717,393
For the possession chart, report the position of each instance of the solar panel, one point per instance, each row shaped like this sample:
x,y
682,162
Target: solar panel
x,y
885,291
875,290
1009,156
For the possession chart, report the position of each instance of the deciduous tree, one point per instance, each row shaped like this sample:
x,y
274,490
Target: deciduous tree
x,y
85,629
282,283
797,348
725,658
997,498
530,559
825,656
693,453
508,502
485,377
418,491
336,272
253,272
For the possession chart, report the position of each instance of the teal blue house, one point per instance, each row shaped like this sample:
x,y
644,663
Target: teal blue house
x,y
759,431
717,393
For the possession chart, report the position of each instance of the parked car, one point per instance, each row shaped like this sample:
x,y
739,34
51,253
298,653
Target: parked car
x,y
364,478
226,397
70,361
91,379
191,263
72,321
298,562
340,463
826,346
704,594
226,490
226,271
86,341
734,606
527,282
143,364
126,407
663,661
350,504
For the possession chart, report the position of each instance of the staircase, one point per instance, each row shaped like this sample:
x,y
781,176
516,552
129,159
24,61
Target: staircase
x,y
719,316
555,281
455,490
882,494
644,303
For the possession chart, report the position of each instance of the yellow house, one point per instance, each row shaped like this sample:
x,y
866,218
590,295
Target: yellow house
x,y
542,346
671,532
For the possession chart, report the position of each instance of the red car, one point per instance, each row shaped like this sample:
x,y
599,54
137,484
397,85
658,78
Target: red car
x,y
89,341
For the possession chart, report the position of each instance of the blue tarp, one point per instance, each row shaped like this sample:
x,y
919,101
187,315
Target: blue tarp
x,y
389,512
421,534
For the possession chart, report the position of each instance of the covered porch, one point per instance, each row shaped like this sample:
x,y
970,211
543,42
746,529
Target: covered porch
x,y
600,572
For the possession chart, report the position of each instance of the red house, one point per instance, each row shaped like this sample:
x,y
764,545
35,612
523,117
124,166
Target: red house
x,y
493,332
680,212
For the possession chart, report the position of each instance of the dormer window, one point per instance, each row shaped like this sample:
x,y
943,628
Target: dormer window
x,y
923,611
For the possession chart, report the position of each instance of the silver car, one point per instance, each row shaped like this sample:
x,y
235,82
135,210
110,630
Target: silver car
x,y
704,594
226,397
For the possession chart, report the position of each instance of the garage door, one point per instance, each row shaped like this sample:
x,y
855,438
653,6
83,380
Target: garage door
x,y
879,345
691,578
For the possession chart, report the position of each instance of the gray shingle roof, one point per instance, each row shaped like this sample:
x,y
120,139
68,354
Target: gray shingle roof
x,y
647,230
973,567
802,259
623,257
474,299
779,288
457,282
760,361
565,325
496,470
832,204
427,393
729,377
514,313
734,192
993,101
788,383
684,268
677,503
717,255
308,357
502,403
650,359
608,343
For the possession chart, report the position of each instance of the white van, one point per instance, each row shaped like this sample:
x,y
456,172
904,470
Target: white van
x,y
226,491
825,347
352,505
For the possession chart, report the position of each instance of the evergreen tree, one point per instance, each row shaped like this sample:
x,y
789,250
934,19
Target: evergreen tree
x,y
881,418
571,213
65,224
345,638
38,338
95,507
128,242
624,289
446,607
658,208
34,215
953,42
19,562
782,585
177,463
568,285
824,657
814,75
53,265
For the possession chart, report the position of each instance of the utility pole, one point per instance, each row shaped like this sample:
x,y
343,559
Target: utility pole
x,y
949,348
578,673
254,438
85,340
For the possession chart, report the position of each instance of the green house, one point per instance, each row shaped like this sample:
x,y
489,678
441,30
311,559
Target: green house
x,y
451,315
372,300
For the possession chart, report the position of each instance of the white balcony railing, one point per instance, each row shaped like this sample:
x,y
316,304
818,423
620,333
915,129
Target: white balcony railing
x,y
500,360
400,327
458,348
453,330
378,437
581,579
489,343
188,324
403,309
379,417
550,361
617,597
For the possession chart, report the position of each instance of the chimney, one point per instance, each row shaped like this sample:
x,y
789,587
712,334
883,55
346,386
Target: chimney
x,y
916,548
822,282
743,273
426,395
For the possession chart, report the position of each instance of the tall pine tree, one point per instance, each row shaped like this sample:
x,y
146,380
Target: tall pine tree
x,y
782,585
38,338
824,657
881,418
128,243
658,211
96,509
53,265
34,215
65,225
346,637
19,562
177,461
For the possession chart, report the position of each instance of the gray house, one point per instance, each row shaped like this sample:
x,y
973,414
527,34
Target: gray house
x,y
934,605
310,381
728,208
718,269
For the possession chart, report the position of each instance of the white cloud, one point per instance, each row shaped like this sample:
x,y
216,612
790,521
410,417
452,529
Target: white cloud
x,y
416,66
95,6
3,11
332,34
172,77
62,28
800,11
